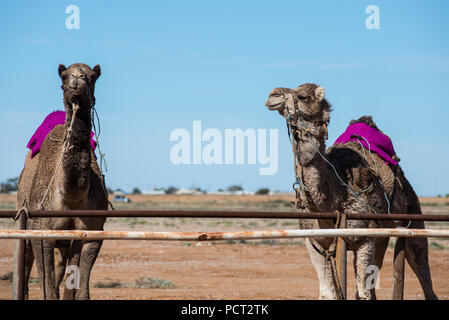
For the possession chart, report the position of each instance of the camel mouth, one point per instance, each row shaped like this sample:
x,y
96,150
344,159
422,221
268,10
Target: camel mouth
x,y
77,93
77,96
273,107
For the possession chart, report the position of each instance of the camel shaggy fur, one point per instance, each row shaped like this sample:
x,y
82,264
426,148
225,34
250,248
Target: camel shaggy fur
x,y
308,114
67,157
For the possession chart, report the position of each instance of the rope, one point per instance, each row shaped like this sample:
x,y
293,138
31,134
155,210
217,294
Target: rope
x,y
378,176
112,207
97,136
69,131
64,149
329,255
377,169
356,194
43,266
332,258
333,168
23,209
41,204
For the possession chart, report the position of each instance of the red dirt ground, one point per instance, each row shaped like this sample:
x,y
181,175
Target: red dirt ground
x,y
223,271
220,270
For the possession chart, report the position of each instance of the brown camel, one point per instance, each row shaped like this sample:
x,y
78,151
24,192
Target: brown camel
x,y
345,178
65,176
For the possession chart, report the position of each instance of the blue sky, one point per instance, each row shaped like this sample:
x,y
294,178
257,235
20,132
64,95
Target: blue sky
x,y
166,64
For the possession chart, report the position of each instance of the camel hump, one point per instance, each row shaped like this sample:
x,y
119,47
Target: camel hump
x,y
368,120
25,183
349,160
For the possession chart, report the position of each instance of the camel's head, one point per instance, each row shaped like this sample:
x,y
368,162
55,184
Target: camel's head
x,y
78,83
311,103
306,102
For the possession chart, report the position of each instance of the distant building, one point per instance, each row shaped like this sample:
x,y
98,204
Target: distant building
x,y
234,193
154,192
189,191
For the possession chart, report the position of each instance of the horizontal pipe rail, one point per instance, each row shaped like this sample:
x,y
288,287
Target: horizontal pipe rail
x,y
212,236
222,214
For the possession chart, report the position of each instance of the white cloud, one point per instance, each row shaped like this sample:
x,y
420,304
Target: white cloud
x,y
39,42
341,66
288,64
315,65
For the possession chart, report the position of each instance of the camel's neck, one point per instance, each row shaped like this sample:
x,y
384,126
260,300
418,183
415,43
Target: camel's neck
x,y
74,173
313,170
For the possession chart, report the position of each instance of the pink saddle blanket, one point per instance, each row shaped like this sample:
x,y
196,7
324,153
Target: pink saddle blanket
x,y
52,120
372,139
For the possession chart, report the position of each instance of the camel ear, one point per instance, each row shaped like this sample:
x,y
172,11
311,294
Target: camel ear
x,y
319,93
97,71
61,69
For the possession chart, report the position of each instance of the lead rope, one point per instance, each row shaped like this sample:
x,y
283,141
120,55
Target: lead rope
x,y
94,115
377,169
378,175
298,185
40,207
64,149
357,195
97,137
330,255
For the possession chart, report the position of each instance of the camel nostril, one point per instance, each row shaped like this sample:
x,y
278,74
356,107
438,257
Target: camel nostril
x,y
73,84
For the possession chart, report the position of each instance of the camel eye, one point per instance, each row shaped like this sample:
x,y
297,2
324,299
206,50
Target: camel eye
x,y
302,96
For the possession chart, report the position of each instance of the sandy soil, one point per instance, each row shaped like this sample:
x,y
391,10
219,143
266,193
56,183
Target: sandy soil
x,y
222,271
222,198
257,269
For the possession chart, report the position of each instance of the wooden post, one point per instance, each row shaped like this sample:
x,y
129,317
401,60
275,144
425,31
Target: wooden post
x,y
341,257
398,273
18,283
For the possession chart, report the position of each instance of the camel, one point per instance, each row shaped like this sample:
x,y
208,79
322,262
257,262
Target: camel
x,y
65,175
348,178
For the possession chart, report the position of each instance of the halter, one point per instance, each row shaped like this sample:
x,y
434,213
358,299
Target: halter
x,y
94,114
88,82
295,123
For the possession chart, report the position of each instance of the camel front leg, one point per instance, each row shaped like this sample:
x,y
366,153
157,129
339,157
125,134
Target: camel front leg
x,y
73,260
43,251
363,258
323,268
29,260
61,253
381,248
89,254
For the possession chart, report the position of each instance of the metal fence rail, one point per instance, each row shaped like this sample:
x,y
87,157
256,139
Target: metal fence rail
x,y
398,287
213,236
223,214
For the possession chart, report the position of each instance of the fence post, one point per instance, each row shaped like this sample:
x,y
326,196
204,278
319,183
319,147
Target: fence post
x,y
18,283
398,273
342,257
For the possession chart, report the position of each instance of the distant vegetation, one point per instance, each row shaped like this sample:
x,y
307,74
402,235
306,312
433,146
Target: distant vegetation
x,y
235,187
263,191
10,185
171,190
136,191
